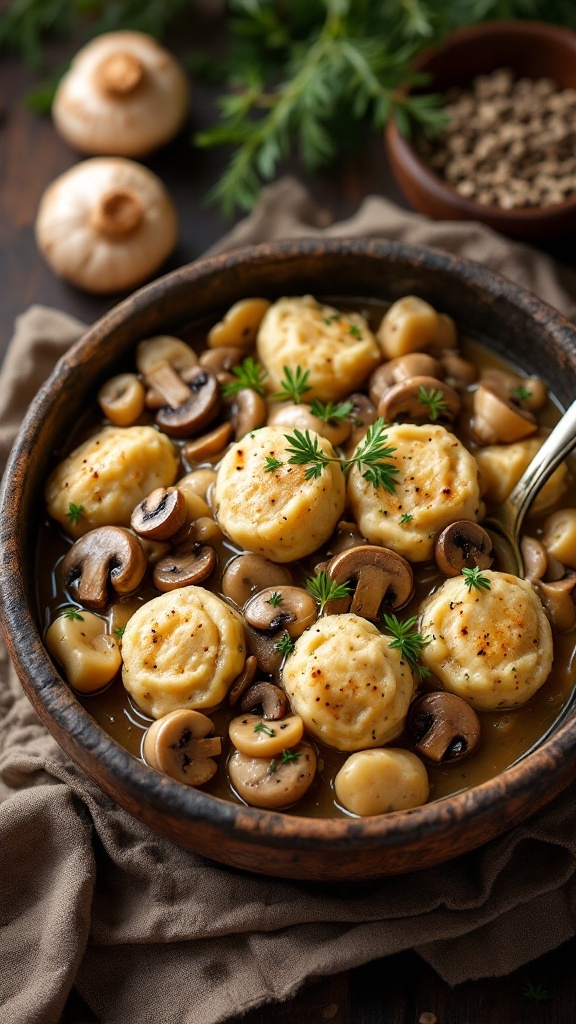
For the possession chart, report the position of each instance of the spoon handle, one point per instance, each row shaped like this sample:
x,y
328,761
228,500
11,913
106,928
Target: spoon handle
x,y
556,447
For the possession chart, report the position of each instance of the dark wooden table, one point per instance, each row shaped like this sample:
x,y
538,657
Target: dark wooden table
x,y
400,989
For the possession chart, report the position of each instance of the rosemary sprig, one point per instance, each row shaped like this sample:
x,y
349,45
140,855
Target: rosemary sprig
x,y
408,641
294,384
371,456
250,374
324,589
473,578
433,400
328,412
75,512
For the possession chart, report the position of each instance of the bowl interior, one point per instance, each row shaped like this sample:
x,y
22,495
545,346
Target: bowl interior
x,y
515,324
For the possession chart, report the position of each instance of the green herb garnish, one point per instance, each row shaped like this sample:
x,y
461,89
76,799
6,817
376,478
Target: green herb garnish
x,y
272,464
275,599
332,319
119,631
521,394
408,641
75,512
474,578
294,384
354,331
272,766
434,401
285,644
329,412
262,727
324,589
370,456
72,613
289,755
250,374
536,993
406,518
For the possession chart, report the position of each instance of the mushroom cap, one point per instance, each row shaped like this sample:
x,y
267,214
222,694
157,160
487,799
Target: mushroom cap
x,y
498,419
109,555
294,610
143,112
266,782
160,515
444,728
106,261
381,577
463,544
403,401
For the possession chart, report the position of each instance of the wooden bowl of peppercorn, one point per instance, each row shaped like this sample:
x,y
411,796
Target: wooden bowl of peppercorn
x,y
485,305
507,156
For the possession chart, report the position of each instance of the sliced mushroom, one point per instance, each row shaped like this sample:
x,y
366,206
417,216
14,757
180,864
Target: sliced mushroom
x,y
165,348
463,545
534,558
255,737
203,531
107,555
243,681
209,445
273,782
221,360
197,411
264,647
186,567
459,372
405,401
497,419
165,386
249,411
89,655
443,727
267,696
382,578
413,364
275,608
348,536
558,600
179,745
160,515
247,574
239,327
122,399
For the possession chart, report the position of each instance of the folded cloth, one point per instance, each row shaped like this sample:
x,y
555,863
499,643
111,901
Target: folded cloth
x,y
148,931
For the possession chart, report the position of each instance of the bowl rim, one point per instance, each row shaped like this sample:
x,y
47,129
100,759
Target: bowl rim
x,y
52,695
438,187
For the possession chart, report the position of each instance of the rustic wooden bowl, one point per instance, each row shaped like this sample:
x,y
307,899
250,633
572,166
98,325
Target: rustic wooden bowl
x,y
487,307
531,49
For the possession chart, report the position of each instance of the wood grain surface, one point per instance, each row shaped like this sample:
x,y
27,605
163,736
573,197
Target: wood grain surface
x,y
401,989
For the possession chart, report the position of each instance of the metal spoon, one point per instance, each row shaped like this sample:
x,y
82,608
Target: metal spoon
x,y
505,525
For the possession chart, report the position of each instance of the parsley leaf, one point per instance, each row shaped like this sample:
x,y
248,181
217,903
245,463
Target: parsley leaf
x,y
75,512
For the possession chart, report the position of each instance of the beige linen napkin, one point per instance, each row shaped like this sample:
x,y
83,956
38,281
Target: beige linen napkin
x,y
148,931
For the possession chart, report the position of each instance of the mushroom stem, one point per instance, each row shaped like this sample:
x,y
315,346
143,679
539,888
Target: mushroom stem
x,y
168,383
118,213
120,73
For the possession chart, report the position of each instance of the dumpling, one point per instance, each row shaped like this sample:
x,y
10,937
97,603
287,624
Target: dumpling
x,y
108,475
351,688
338,349
437,483
182,650
277,513
491,647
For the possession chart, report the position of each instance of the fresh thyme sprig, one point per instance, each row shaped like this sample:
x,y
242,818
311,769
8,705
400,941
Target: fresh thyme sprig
x,y
328,412
275,599
371,456
324,589
474,578
75,512
288,756
408,641
272,464
262,727
433,400
119,631
406,518
250,374
294,384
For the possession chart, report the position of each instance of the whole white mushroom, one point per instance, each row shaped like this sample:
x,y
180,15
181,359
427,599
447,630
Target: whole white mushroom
x,y
106,224
124,95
